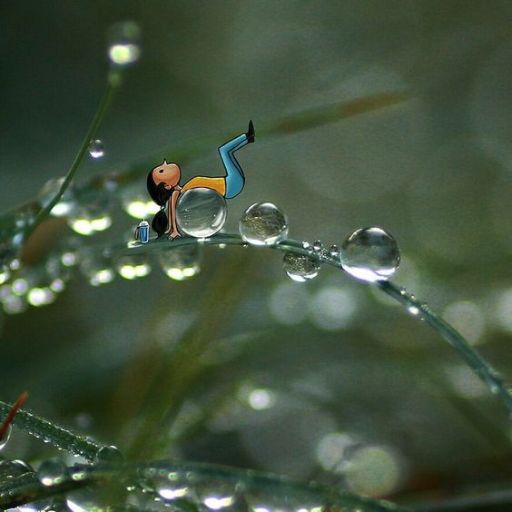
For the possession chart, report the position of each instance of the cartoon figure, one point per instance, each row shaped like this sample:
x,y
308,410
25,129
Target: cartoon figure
x,y
164,189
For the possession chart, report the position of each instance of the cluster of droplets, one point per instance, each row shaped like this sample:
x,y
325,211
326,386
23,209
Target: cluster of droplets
x,y
368,254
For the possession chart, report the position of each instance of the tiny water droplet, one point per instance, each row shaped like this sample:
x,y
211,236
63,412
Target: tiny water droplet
x,y
133,267
334,251
318,245
370,254
413,310
110,455
66,203
52,472
5,439
300,268
181,262
124,43
200,212
263,224
306,245
96,148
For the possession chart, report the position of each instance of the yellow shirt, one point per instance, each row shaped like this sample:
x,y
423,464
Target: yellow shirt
x,y
217,184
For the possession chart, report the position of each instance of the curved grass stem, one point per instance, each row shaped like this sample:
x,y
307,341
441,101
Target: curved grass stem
x,y
27,488
421,310
112,84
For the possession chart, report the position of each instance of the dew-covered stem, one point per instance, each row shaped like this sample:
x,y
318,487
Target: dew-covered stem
x,y
27,489
50,433
479,365
422,311
112,84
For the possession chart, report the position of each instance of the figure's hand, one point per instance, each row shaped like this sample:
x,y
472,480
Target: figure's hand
x,y
174,234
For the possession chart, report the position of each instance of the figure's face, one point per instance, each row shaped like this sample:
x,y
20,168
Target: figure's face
x,y
168,174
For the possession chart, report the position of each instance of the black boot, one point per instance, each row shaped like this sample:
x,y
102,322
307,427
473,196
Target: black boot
x,y
250,133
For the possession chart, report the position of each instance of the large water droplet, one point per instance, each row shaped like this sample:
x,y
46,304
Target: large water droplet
x,y
200,212
96,148
263,224
133,267
5,439
370,254
181,262
52,472
66,203
300,268
123,39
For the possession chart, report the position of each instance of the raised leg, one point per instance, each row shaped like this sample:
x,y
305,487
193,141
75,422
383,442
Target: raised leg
x,y
235,178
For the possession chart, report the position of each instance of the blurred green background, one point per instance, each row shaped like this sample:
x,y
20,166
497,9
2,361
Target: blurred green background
x,y
240,365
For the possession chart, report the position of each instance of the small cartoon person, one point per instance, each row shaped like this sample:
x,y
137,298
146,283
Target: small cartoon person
x,y
164,189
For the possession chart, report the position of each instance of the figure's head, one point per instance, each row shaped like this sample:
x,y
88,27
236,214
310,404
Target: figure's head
x,y
161,180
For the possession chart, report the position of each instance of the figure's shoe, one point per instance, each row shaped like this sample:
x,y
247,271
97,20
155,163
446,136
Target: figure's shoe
x,y
250,133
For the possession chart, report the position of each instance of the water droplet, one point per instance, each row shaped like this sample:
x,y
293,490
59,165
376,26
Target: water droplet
x,y
5,439
413,310
84,499
69,258
97,268
96,148
66,203
13,304
5,273
370,254
13,468
300,268
40,296
133,267
200,212
52,472
136,203
334,251
21,285
181,262
263,224
318,245
88,220
123,40
109,455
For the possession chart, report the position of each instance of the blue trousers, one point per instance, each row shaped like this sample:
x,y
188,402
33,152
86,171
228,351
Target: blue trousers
x,y
235,178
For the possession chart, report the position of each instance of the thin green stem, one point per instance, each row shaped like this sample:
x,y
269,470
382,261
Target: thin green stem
x,y
421,310
50,433
27,488
112,84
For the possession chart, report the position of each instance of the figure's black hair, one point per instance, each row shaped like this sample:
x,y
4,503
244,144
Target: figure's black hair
x,y
158,193
160,196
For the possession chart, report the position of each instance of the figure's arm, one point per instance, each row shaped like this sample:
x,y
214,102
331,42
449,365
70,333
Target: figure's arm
x,y
173,228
